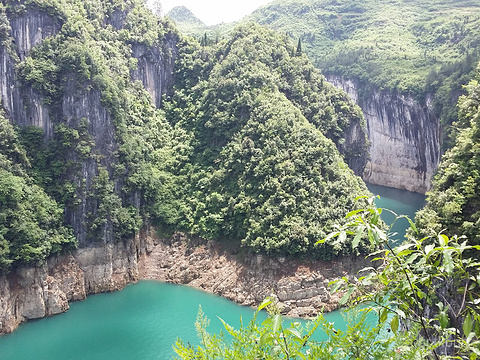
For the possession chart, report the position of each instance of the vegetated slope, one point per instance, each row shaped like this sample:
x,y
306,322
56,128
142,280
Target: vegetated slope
x,y
31,222
181,15
415,47
190,25
260,171
105,159
243,156
453,204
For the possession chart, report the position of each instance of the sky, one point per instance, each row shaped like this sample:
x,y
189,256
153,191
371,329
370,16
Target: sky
x,y
213,12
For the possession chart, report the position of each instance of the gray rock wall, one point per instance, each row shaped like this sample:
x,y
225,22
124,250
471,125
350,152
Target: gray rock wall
x,y
22,104
155,68
98,265
404,137
38,291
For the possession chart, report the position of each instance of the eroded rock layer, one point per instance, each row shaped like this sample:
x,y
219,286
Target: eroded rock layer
x,y
301,286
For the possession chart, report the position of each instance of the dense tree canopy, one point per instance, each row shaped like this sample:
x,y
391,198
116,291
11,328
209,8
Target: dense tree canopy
x,y
31,222
261,169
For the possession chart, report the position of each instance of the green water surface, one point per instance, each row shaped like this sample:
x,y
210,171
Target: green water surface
x,y
402,203
138,323
142,321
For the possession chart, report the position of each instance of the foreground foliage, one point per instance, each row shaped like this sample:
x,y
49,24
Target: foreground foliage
x,y
420,302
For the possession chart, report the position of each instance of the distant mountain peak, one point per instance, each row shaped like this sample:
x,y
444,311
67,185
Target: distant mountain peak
x,y
182,14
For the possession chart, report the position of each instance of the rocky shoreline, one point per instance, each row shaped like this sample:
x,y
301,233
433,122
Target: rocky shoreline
x,y
301,286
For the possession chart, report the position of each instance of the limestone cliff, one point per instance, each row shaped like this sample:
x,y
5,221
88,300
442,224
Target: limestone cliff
x,y
35,292
404,137
107,263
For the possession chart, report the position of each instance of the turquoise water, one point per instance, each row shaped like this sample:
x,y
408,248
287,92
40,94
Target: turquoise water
x,y
140,322
143,321
402,203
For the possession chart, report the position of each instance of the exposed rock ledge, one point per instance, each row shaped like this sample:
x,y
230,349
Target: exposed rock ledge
x,y
35,292
300,286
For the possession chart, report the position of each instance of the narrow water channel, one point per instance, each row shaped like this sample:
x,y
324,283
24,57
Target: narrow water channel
x,y
142,321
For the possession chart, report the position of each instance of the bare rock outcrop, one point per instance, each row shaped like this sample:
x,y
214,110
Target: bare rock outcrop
x,y
404,137
301,287
36,292
33,292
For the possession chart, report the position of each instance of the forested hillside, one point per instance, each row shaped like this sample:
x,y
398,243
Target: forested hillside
x,y
261,169
421,47
251,145
453,205
31,222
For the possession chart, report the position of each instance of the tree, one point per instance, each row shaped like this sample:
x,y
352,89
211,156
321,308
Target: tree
x,y
417,318
299,47
157,8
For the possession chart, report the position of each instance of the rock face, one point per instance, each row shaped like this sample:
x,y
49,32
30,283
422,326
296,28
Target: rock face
x,y
35,292
301,287
404,137
105,264
23,105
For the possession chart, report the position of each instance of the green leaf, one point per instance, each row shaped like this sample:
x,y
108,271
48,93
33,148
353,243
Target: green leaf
x,y
412,225
277,322
383,315
336,285
405,253
443,240
227,327
345,297
267,321
443,319
357,239
428,249
361,197
329,236
294,332
448,261
265,303
352,213
266,338
467,325
394,324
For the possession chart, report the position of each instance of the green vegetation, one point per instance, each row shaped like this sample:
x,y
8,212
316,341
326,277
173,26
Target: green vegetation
x,y
422,48
418,303
453,204
251,147
424,293
392,45
413,47
260,172
90,53
31,222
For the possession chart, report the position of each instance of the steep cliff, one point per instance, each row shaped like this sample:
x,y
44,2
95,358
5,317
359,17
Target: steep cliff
x,y
76,113
404,137
252,147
